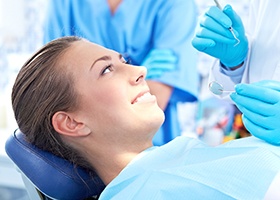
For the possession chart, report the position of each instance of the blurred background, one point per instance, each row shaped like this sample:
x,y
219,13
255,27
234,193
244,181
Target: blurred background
x,y
21,33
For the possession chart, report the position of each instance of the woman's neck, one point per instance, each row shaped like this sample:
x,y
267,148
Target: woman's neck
x,y
108,167
109,160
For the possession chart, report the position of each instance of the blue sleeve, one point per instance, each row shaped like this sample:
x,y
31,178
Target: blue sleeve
x,y
57,20
174,29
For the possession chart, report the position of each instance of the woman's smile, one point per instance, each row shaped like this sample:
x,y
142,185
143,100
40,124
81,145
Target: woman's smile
x,y
144,98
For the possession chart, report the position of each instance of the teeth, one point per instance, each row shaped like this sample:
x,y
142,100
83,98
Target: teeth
x,y
143,97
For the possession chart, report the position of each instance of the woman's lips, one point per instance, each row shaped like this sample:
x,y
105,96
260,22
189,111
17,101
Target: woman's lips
x,y
143,97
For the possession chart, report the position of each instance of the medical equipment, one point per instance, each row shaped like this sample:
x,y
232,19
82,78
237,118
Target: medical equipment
x,y
47,176
230,28
217,88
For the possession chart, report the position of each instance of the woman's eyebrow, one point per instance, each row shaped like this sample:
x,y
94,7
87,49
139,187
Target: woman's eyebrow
x,y
99,59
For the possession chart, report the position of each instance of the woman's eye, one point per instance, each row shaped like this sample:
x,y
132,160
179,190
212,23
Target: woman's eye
x,y
106,70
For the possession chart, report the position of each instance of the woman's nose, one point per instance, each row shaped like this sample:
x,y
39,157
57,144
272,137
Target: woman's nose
x,y
139,74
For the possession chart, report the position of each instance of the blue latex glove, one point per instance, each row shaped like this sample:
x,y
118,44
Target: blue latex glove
x,y
159,61
260,104
214,38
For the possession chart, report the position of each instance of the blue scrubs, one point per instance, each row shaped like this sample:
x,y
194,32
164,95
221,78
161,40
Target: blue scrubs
x,y
133,30
186,168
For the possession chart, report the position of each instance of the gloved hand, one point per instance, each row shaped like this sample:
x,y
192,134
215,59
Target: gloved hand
x,y
214,38
159,61
260,104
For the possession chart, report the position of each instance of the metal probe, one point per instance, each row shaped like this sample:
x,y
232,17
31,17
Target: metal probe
x,y
230,28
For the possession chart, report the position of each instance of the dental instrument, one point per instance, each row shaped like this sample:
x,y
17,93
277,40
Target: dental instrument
x,y
230,28
217,89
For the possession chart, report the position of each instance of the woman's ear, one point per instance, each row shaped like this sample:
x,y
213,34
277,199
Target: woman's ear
x,y
65,124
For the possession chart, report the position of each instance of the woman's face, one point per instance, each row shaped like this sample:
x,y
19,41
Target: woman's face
x,y
114,99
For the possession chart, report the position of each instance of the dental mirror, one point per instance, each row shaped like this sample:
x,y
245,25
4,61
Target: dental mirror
x,y
217,89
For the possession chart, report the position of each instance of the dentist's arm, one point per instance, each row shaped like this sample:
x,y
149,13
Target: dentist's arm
x,y
157,62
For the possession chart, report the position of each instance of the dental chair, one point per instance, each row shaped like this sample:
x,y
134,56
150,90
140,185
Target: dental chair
x,y
47,176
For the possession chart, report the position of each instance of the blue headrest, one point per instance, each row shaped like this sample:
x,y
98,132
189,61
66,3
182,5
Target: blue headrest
x,y
53,176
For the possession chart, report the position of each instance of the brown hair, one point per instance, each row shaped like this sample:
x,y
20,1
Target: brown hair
x,y
42,88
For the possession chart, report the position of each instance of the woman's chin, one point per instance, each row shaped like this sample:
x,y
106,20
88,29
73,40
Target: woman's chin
x,y
156,120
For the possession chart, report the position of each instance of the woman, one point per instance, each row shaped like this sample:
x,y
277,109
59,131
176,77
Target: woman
x,y
147,32
84,103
